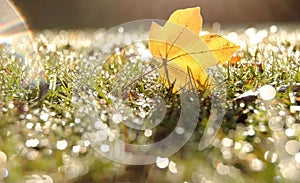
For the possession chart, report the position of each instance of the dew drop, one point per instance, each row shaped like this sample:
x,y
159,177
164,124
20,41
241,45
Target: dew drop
x,y
267,92
172,167
210,130
3,157
227,142
294,108
292,147
276,123
223,169
32,155
11,106
179,130
117,118
290,120
103,117
273,29
242,104
216,26
250,31
256,164
44,116
290,132
251,132
29,116
226,152
61,144
77,120
104,148
162,162
74,99
100,135
297,157
237,145
281,113
270,156
76,149
247,148
32,143
6,173
29,125
191,99
120,29
100,125
148,133
288,169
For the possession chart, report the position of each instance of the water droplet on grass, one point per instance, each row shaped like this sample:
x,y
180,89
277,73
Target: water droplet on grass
x,y
270,156
77,120
290,132
290,120
99,125
294,108
251,132
297,157
32,154
120,29
29,116
247,148
11,105
267,92
32,143
162,162
288,169
226,152
117,118
276,123
103,117
292,147
148,133
273,29
223,169
44,116
3,157
29,125
179,130
76,148
227,142
256,164
104,148
237,145
61,144
172,167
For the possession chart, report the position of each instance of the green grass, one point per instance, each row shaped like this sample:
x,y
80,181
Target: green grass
x,y
51,114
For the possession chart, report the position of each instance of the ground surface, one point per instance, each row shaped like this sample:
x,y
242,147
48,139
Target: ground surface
x,y
56,128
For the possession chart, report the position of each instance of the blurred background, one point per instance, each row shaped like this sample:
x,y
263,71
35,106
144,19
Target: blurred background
x,y
66,14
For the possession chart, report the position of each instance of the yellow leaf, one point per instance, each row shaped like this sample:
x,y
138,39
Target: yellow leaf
x,y
183,55
221,47
184,76
180,50
189,18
